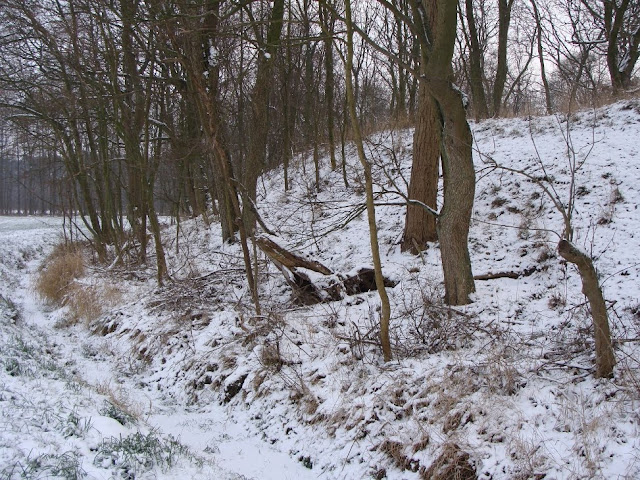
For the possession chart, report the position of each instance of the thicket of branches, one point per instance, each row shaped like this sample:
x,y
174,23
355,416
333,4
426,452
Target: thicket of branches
x,y
99,94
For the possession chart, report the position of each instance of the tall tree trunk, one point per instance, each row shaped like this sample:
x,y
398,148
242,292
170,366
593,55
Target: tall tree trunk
x,y
131,108
543,73
476,76
504,21
456,147
329,86
459,189
420,224
256,156
401,76
218,161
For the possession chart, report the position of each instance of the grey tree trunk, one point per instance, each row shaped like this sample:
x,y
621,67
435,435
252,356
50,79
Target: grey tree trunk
x,y
504,20
476,80
459,190
543,72
456,146
328,24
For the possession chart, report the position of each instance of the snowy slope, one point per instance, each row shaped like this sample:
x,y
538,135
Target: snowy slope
x,y
301,391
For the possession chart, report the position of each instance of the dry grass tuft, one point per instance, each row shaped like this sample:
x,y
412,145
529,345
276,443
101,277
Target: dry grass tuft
x,y
271,357
396,451
87,302
57,277
58,284
122,400
452,464
83,304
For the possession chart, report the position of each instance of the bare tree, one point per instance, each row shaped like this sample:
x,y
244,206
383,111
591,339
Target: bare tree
x,y
478,46
618,25
366,166
260,95
541,56
435,24
565,206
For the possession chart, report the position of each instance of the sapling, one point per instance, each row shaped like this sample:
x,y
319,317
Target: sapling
x,y
564,204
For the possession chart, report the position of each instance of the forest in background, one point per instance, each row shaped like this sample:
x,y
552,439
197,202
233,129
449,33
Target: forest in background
x,y
503,387
102,102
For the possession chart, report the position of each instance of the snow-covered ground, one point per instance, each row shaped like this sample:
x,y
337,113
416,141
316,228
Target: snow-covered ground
x,y
184,381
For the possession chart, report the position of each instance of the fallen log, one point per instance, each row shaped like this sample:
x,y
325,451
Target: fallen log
x,y
311,281
509,274
287,258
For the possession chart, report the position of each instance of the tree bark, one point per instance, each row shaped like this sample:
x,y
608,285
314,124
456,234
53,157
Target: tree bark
x,y
420,225
504,20
605,360
476,76
454,221
459,190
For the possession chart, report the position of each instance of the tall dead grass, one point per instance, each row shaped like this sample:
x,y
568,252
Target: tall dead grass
x,y
58,274
59,283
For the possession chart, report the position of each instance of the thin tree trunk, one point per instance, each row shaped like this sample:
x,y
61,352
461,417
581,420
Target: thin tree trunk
x,y
256,156
371,212
504,20
543,74
329,86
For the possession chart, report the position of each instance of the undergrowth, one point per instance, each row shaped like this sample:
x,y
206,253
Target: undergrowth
x,y
60,284
129,456
67,465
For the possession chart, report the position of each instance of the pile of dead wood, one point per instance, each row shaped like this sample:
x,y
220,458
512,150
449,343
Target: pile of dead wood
x,y
311,281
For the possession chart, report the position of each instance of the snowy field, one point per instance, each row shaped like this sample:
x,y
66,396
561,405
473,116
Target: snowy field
x,y
184,382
